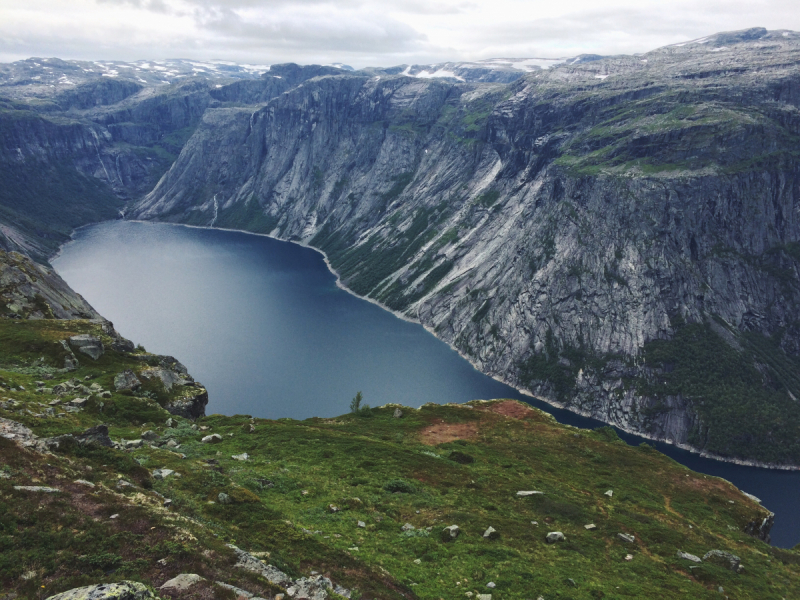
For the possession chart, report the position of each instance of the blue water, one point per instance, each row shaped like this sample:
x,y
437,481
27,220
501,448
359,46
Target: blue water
x,y
263,326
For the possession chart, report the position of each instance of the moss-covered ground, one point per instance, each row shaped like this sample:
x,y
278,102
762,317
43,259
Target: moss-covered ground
x,y
431,467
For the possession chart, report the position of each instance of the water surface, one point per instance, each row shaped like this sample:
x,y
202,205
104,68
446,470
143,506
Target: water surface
x,y
263,326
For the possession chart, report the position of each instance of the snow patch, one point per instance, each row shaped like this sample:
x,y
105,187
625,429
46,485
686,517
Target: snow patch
x,y
600,76
720,49
439,73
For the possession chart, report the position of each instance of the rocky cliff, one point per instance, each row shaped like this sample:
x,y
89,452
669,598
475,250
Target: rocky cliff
x,y
618,236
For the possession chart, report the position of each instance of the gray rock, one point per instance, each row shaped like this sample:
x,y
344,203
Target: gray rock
x,y
79,402
530,493
150,436
36,488
491,533
450,533
182,582
590,527
310,588
167,377
361,524
625,537
170,422
97,436
125,590
190,406
687,556
609,493
162,473
491,585
250,563
126,380
133,443
555,536
240,593
223,498
397,413
408,527
87,344
243,456
731,561
214,438
84,482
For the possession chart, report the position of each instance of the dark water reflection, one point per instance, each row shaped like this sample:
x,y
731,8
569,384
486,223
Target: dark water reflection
x,y
263,326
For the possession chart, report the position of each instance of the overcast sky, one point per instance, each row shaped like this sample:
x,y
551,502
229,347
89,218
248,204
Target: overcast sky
x,y
367,32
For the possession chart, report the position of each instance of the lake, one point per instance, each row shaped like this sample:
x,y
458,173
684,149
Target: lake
x,y
263,326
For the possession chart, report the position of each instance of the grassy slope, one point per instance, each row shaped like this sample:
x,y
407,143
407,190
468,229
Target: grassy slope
x,y
297,469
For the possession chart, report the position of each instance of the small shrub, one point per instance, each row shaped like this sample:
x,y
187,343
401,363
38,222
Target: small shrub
x,y
399,485
461,458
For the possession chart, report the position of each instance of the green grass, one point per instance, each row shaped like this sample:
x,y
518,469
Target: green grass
x,y
436,466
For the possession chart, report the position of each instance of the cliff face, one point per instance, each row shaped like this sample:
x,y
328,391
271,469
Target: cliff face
x,y
618,236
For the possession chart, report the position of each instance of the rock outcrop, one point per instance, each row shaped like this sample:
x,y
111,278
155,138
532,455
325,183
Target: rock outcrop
x,y
32,291
126,590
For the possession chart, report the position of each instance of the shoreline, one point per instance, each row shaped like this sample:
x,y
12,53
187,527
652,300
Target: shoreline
x,y
499,379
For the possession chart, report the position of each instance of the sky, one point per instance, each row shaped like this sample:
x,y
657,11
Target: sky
x,y
367,32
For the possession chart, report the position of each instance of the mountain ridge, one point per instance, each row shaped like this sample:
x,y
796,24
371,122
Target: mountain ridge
x,y
612,204
420,192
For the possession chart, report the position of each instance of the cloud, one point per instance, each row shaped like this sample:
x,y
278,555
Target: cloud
x,y
367,32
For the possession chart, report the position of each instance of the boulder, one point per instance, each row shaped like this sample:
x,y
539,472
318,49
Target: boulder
x,y
529,493
182,582
168,377
609,493
223,498
95,436
162,473
590,527
125,590
250,563
490,533
687,556
242,456
192,406
408,527
133,443
309,588
126,380
726,559
150,436
87,344
625,537
79,402
450,533
555,536
397,413
36,488
214,438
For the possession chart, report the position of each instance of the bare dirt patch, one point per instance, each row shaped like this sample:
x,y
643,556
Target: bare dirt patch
x,y
509,408
441,433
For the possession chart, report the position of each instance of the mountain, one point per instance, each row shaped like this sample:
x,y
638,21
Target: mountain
x,y
615,235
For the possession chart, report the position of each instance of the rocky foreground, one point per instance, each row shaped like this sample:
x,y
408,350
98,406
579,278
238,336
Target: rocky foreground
x,y
115,484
